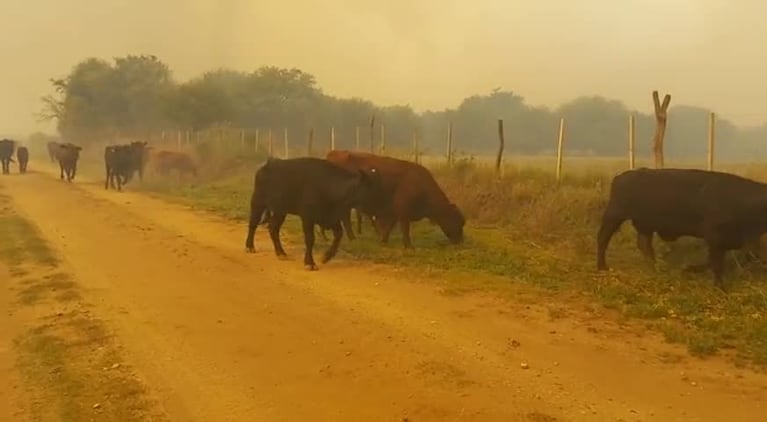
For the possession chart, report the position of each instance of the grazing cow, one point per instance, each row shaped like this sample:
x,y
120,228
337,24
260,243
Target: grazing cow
x,y
316,190
410,194
22,156
165,161
6,154
725,210
53,147
67,156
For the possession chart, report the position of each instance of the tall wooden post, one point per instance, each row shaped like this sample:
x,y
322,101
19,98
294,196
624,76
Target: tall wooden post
x,y
287,147
501,145
332,138
632,134
560,146
309,142
449,153
372,135
661,116
415,146
383,140
711,133
357,137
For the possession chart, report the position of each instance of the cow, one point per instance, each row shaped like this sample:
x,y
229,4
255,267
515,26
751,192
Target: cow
x,y
22,156
122,161
6,154
410,194
67,155
725,210
166,161
317,191
52,147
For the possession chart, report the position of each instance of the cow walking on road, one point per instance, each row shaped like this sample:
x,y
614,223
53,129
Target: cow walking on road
x,y
67,155
121,161
22,156
725,210
6,154
317,191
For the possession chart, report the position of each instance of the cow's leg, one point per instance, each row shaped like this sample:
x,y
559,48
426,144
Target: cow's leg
x,y
347,225
61,171
275,223
308,227
716,261
610,224
644,243
359,221
385,226
108,178
338,233
74,169
257,209
404,225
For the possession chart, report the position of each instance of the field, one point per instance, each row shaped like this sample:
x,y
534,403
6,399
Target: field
x,y
526,230
132,305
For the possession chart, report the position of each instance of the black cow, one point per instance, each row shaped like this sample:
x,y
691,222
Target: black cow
x,y
6,154
67,155
121,161
22,156
316,190
725,210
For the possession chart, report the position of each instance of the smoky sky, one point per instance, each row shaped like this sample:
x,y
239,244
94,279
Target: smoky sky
x,y
426,53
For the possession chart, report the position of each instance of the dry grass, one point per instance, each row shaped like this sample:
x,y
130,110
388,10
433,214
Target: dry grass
x,y
526,230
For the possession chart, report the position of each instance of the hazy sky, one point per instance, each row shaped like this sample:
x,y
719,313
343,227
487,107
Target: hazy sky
x,y
428,53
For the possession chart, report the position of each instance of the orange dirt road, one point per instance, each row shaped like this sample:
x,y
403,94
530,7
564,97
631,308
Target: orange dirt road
x,y
220,335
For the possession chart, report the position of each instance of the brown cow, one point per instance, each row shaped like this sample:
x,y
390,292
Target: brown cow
x,y
165,161
67,155
410,194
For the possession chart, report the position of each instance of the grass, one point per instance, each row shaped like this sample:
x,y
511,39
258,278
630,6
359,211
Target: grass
x,y
528,232
66,357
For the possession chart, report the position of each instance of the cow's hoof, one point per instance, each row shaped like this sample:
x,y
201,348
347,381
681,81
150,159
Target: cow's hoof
x,y
250,249
312,267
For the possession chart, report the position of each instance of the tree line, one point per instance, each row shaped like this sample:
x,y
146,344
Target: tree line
x,y
134,96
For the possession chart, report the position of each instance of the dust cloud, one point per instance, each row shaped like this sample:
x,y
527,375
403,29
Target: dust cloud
x,y
429,54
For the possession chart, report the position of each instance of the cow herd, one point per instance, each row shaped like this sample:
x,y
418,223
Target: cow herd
x,y
725,210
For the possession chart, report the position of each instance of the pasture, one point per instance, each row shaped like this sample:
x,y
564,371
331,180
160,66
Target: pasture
x,y
531,237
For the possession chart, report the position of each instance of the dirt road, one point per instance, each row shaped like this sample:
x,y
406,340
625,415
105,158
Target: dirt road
x,y
220,335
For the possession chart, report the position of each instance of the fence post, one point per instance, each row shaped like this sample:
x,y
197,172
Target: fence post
x,y
632,134
357,137
287,147
188,137
383,140
309,142
332,138
560,145
711,133
271,143
661,117
415,146
178,139
372,135
256,141
501,145
242,140
450,143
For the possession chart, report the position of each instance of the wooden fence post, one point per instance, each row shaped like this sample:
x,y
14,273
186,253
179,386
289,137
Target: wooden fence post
x,y
257,141
372,135
660,126
450,143
242,140
501,145
309,142
560,145
711,133
178,139
162,137
383,140
415,146
357,137
287,147
271,143
332,138
632,134
188,137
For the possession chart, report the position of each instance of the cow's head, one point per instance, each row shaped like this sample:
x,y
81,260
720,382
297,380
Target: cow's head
x,y
451,221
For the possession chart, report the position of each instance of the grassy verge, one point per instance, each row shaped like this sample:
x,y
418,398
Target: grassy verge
x,y
528,232
71,368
